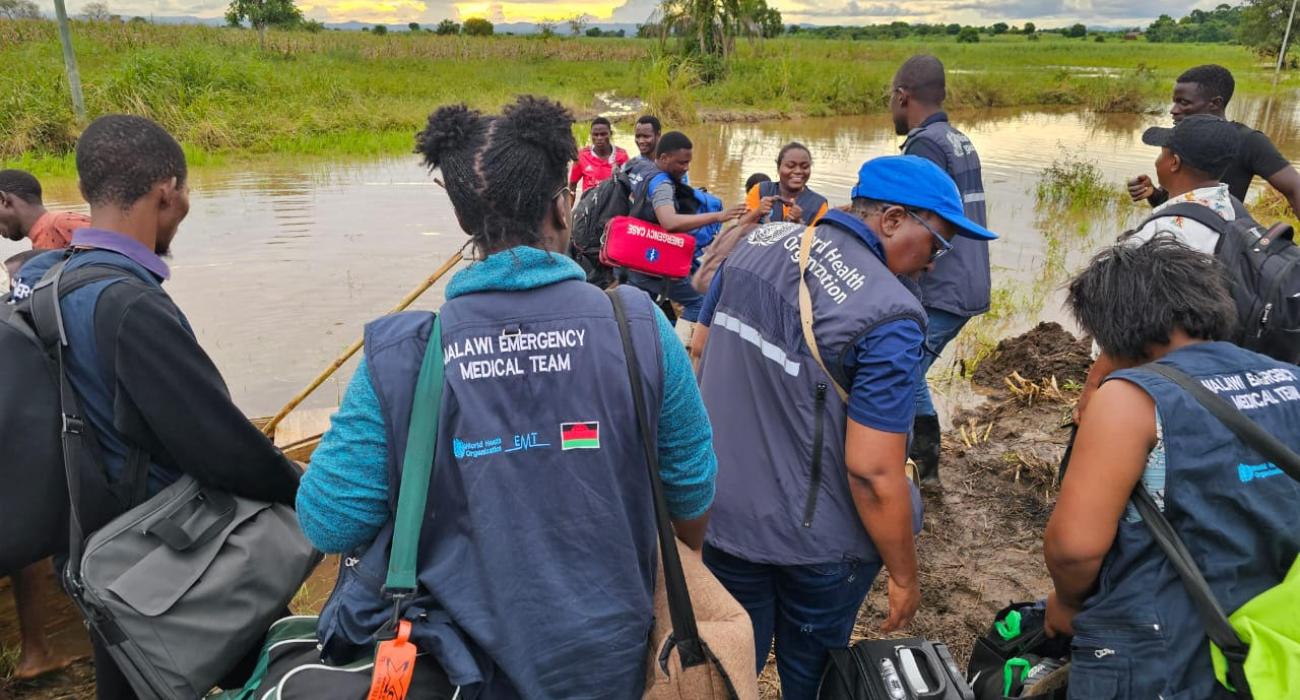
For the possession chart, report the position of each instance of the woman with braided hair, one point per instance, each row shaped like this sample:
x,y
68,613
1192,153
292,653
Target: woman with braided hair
x,y
536,562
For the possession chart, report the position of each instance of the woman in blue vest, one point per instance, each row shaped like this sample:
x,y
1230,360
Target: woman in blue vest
x,y
789,198
536,564
1136,632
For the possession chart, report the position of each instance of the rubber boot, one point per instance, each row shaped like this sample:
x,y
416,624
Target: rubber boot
x,y
925,449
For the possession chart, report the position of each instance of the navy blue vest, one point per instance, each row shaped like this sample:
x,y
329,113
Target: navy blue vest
x,y
810,202
778,425
960,282
1139,636
537,561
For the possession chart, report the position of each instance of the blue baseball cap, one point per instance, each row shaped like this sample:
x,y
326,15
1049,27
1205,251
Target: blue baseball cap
x,y
917,183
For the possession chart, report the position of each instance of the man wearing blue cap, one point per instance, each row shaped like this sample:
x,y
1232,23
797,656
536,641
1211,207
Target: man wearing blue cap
x,y
808,367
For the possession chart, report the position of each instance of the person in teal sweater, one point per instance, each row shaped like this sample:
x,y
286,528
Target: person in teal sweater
x,y
537,553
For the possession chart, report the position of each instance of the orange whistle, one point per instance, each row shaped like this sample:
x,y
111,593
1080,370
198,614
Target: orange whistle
x,y
394,666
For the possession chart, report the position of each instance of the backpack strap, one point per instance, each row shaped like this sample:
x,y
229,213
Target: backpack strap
x,y
1195,211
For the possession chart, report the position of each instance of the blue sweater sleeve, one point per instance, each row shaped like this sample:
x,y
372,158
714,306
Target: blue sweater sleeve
x,y
343,497
886,366
687,464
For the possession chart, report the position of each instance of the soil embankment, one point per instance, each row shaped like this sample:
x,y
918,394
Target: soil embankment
x,y
982,542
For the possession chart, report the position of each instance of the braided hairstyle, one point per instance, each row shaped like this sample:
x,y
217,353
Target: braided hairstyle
x,y
501,172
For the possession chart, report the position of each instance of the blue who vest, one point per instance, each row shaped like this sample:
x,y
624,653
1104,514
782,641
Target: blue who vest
x,y
960,282
537,560
1139,635
778,425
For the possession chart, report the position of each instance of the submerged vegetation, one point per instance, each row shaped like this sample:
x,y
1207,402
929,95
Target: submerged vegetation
x,y
1074,184
339,93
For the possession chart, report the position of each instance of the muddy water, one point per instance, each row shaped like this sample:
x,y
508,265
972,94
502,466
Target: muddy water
x,y
282,261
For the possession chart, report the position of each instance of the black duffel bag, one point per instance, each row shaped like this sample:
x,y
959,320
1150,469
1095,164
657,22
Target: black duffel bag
x,y
1016,659
893,669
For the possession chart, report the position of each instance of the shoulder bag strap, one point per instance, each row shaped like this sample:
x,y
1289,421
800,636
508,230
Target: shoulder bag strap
x,y
47,320
686,635
1199,213
417,470
806,310
1246,429
1215,621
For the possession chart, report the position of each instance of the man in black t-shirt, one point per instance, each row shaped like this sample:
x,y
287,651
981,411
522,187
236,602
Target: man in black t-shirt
x,y
1207,90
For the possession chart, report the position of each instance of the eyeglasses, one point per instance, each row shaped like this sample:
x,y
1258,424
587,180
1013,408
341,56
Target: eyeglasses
x,y
944,244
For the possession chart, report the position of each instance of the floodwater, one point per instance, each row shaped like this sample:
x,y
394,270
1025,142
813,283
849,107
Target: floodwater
x,y
282,261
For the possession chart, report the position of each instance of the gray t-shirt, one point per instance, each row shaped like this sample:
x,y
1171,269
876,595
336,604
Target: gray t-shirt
x,y
663,195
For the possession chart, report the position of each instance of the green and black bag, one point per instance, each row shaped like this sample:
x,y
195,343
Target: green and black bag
x,y
290,666
1256,649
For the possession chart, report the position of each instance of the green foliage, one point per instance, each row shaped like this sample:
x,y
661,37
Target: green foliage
x,y
1076,31
577,24
708,29
1099,38
1074,184
379,30
477,26
594,32
668,83
447,27
413,26
19,9
546,29
999,28
1215,26
1029,28
1034,37
968,35
1263,23
311,26
261,14
952,29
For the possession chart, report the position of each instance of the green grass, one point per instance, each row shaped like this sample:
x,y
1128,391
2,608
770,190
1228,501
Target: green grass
x,y
353,93
1074,184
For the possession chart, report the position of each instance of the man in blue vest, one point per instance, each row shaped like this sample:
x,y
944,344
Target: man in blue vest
x,y
156,404
811,439
958,287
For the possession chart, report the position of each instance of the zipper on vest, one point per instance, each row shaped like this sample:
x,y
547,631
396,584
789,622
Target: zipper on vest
x,y
815,480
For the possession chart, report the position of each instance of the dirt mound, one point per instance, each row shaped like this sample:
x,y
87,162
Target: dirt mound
x,y
1042,353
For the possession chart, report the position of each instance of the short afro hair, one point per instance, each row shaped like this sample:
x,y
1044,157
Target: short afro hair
x,y
1131,297
756,179
922,76
21,184
1213,80
673,141
601,121
121,157
653,121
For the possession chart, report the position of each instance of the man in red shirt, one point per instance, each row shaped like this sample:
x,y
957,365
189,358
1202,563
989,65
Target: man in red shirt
x,y
596,163
23,216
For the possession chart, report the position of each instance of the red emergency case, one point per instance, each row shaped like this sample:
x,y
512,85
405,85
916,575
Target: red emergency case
x,y
644,247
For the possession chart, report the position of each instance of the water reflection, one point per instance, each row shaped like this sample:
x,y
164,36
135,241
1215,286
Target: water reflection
x,y
281,261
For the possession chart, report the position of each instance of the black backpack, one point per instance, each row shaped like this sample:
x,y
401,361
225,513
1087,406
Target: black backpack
x,y
1265,269
611,198
34,500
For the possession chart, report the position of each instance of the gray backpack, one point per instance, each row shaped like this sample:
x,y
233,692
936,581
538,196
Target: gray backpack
x,y
180,587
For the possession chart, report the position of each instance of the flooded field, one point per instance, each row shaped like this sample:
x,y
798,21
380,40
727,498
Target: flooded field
x,y
282,261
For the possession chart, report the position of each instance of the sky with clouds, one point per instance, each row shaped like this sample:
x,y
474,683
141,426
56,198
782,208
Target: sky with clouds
x,y
979,12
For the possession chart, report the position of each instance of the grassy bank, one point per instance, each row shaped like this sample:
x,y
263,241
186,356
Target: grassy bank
x,y
352,93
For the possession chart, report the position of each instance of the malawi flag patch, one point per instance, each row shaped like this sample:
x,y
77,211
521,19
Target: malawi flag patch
x,y
580,436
